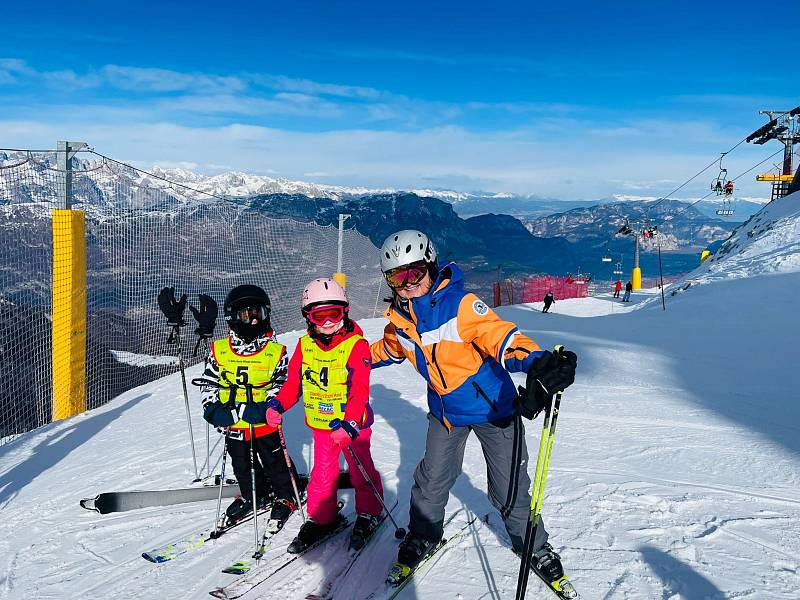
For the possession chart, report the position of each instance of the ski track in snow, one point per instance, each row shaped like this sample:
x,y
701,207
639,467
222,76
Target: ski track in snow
x,y
675,471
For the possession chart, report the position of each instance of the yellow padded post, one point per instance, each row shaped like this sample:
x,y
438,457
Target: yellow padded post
x,y
341,279
69,313
636,278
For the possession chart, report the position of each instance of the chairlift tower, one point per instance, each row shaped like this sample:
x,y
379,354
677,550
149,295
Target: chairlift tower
x,y
784,126
636,274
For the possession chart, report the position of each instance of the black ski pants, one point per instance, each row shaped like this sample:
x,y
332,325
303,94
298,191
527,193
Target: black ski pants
x,y
272,474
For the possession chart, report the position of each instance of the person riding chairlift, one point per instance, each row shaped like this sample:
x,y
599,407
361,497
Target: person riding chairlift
x,y
729,188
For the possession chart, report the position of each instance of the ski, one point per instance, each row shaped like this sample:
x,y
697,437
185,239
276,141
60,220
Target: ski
x,y
195,541
400,575
263,573
562,587
250,559
110,502
329,587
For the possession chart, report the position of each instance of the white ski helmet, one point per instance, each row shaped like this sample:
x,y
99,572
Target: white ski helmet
x,y
323,290
406,247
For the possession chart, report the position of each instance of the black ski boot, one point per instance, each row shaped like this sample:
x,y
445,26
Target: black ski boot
x,y
241,508
281,510
363,530
548,563
311,533
412,551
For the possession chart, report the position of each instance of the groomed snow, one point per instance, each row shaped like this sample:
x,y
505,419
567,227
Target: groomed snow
x,y
675,472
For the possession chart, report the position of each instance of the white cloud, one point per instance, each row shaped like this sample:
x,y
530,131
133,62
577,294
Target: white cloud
x,y
369,137
163,80
306,86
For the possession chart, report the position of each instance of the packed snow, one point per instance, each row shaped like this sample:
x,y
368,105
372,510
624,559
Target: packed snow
x,y
675,472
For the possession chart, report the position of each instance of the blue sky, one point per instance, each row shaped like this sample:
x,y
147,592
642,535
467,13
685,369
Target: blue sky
x,y
571,100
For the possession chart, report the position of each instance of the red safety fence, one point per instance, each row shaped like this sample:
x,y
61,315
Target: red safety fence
x,y
535,288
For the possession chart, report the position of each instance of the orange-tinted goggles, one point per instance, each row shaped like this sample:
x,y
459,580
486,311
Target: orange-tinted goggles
x,y
319,315
412,274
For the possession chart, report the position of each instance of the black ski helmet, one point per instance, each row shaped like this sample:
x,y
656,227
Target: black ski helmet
x,y
248,296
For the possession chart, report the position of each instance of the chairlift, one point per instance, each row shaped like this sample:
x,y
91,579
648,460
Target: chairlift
x,y
727,201
649,232
606,256
579,278
719,185
618,269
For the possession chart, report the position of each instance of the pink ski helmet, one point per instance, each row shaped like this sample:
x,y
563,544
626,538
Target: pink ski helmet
x,y
323,291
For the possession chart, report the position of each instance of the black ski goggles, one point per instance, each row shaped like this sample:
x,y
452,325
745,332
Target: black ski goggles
x,y
251,314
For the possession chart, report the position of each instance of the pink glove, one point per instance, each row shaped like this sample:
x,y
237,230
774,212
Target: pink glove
x,y
274,418
341,438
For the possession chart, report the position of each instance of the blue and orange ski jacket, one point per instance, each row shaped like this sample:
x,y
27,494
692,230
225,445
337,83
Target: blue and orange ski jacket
x,y
462,348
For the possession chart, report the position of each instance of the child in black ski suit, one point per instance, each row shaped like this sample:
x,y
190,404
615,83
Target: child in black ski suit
x,y
250,357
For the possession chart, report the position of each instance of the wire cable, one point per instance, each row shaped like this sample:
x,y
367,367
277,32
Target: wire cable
x,y
696,175
159,177
732,179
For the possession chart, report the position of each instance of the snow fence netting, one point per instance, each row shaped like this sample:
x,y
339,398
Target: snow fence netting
x,y
139,239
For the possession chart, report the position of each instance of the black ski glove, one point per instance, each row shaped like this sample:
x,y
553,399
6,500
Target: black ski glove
x,y
254,412
550,373
206,316
221,415
172,308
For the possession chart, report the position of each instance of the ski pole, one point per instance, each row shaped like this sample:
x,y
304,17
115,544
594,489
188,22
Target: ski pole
x,y
208,425
537,494
177,340
221,483
253,484
542,464
399,532
291,471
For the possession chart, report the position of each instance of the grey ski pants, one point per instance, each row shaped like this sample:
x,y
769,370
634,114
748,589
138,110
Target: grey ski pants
x,y
506,457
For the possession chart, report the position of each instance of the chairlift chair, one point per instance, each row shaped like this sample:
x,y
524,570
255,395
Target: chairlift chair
x,y
727,202
718,184
606,256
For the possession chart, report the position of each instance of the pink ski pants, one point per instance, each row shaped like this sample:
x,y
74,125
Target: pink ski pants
x,y
322,487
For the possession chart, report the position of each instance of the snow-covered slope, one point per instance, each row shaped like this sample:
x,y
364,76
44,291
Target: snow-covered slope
x,y
768,243
675,472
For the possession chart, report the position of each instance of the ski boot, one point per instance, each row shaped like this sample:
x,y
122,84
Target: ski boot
x,y
312,533
363,530
281,510
413,550
547,565
242,508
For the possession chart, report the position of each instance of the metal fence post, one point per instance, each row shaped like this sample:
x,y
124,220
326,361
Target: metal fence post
x,y
68,296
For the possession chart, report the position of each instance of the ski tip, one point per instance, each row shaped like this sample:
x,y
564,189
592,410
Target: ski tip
x,y
156,558
219,593
88,504
240,567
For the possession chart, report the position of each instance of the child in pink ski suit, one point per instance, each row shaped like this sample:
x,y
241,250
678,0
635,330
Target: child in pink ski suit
x,y
330,369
